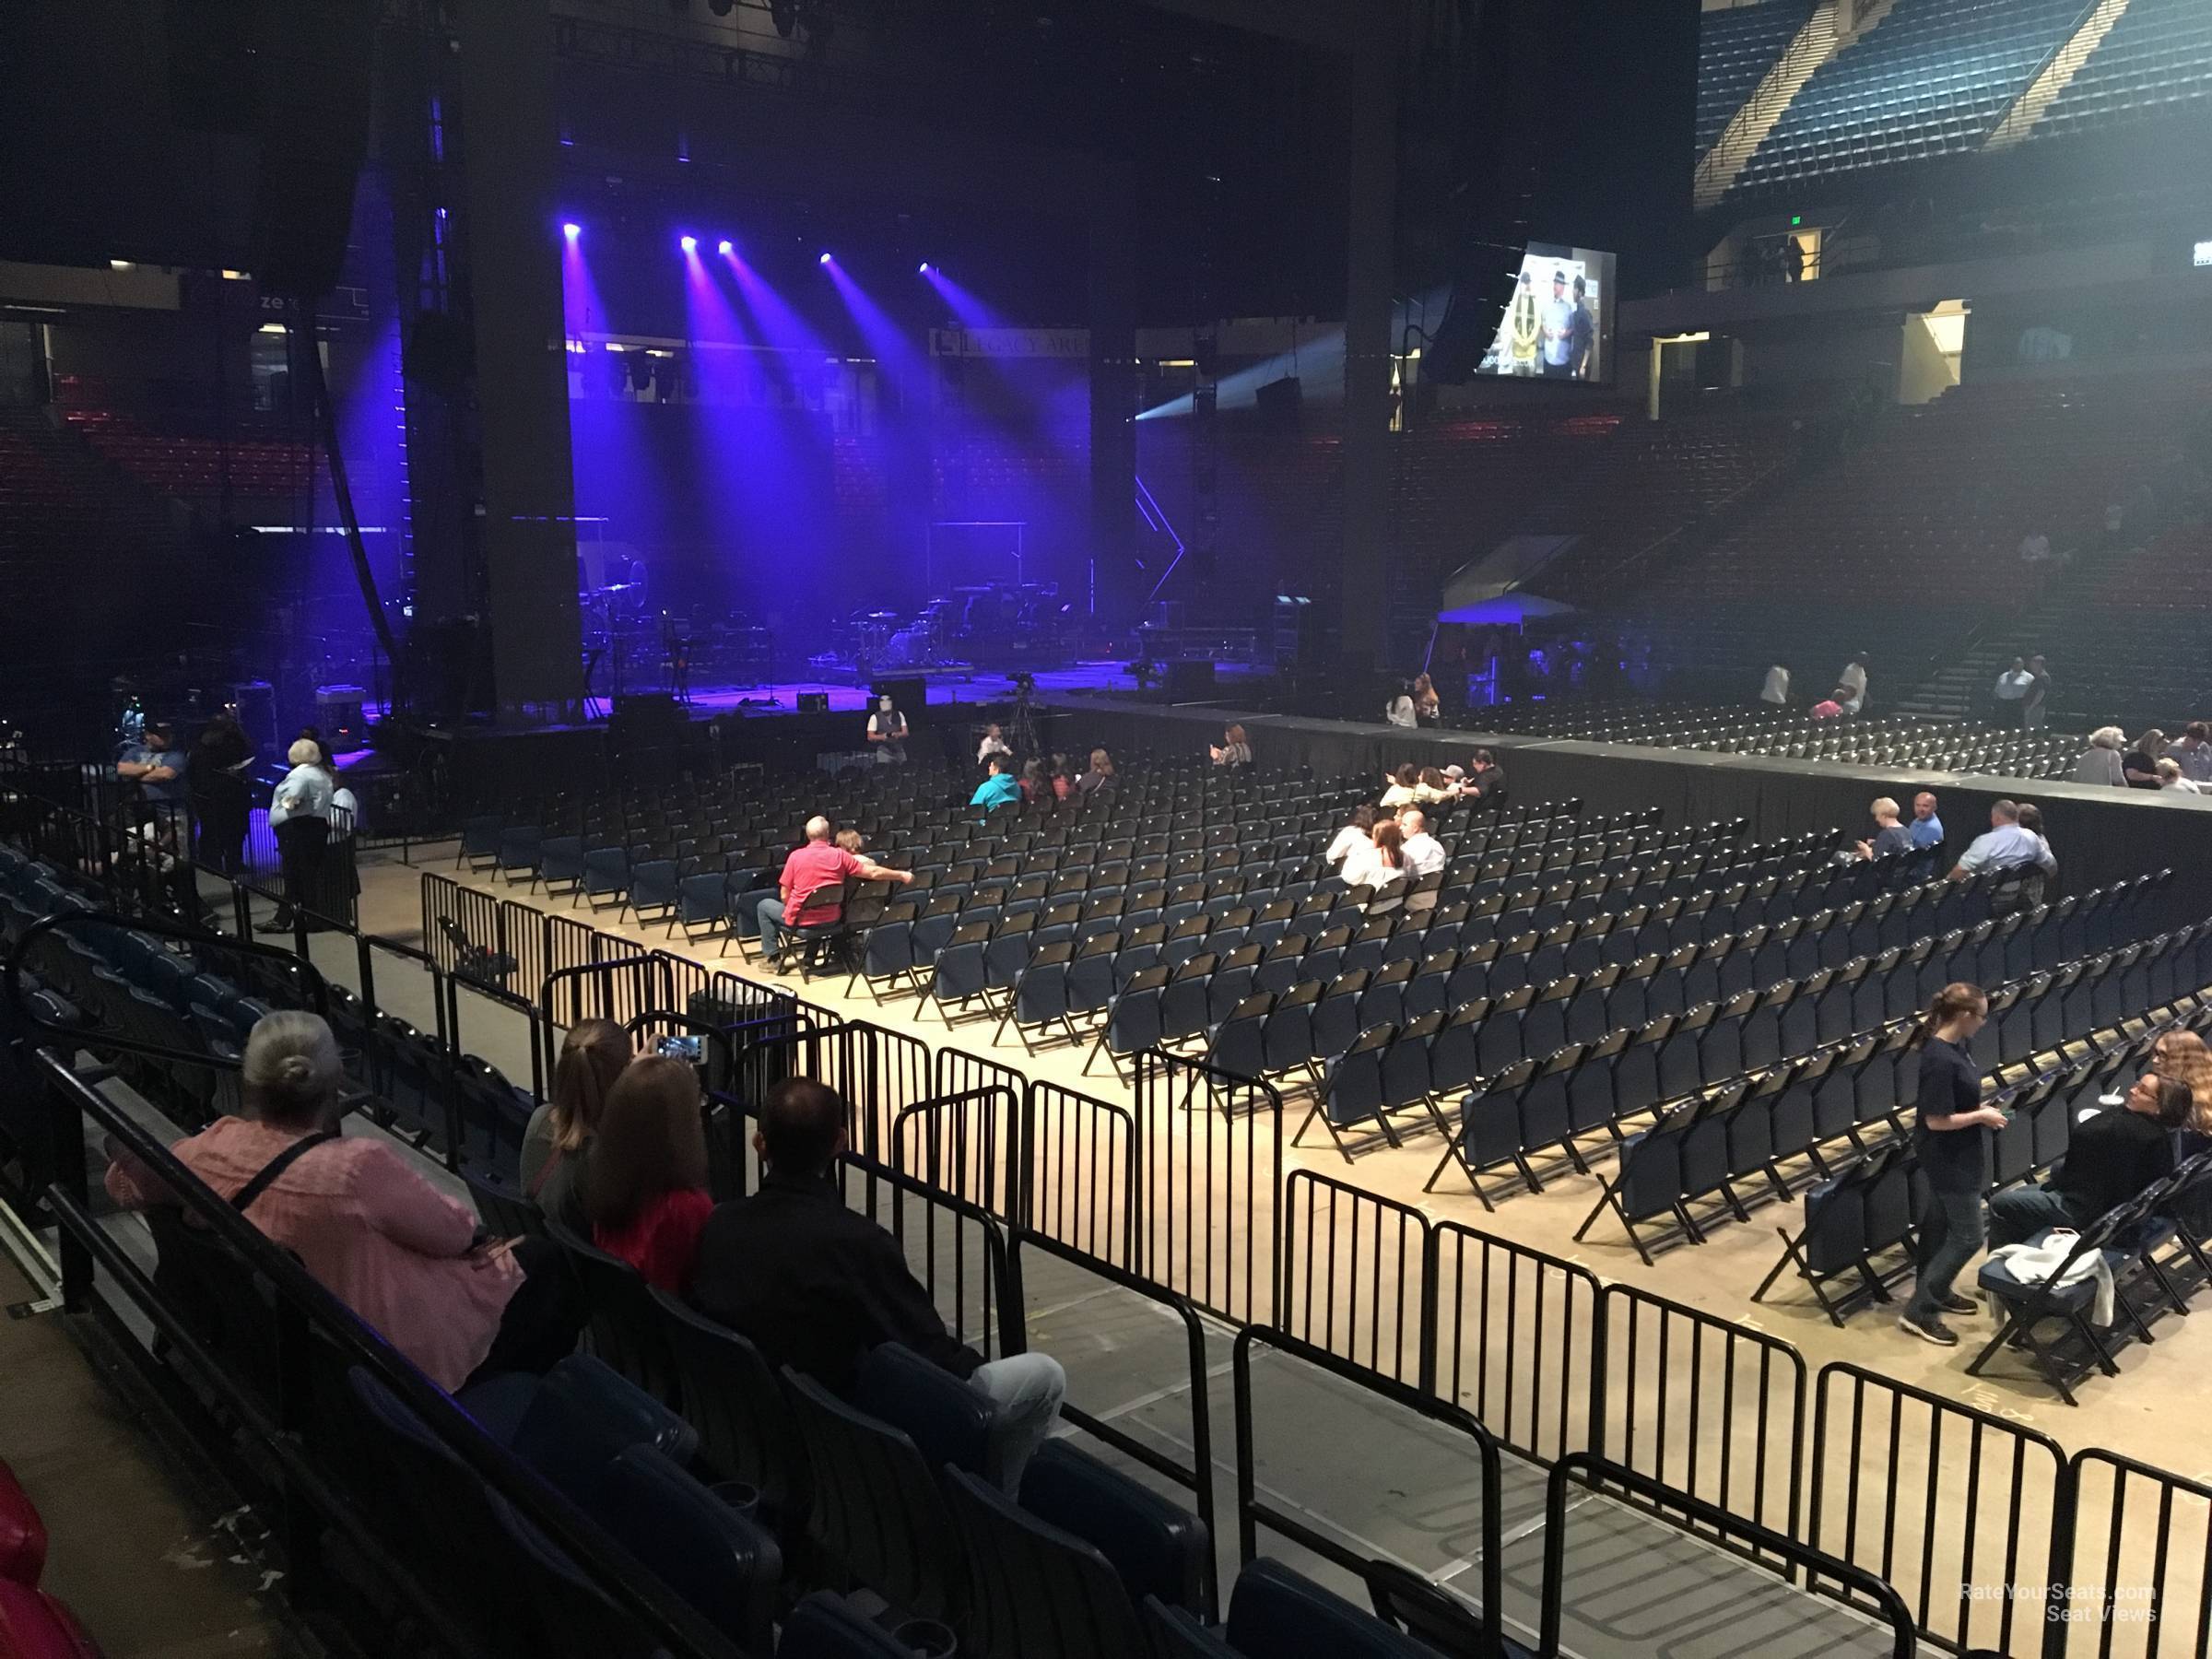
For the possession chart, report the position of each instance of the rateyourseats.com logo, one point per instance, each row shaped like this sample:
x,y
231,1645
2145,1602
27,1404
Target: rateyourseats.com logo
x,y
2076,1604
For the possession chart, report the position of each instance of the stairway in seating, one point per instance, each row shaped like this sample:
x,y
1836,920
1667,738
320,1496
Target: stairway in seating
x,y
2056,76
1824,34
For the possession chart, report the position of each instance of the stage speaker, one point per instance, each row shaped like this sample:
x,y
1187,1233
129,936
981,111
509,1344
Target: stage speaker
x,y
910,694
813,702
1190,682
1277,403
314,58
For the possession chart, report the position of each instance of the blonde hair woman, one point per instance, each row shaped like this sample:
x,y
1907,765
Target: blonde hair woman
x,y
2183,1056
300,818
2100,763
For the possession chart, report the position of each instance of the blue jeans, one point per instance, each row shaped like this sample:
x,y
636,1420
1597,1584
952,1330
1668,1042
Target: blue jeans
x,y
2017,1214
1027,1390
1950,1236
771,923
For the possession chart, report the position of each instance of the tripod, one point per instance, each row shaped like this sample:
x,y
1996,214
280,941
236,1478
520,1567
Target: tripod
x,y
1021,732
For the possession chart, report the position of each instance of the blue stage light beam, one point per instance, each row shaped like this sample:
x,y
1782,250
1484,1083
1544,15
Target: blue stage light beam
x,y
897,351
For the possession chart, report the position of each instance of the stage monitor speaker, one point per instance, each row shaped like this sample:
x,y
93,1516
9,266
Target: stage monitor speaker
x,y
910,694
314,60
813,702
1189,682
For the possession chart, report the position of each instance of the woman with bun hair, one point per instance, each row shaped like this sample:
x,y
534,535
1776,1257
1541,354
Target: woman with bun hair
x,y
556,1145
378,1237
1954,1157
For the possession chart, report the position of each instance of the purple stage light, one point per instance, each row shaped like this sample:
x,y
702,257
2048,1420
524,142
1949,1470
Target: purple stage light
x,y
571,229
824,259
726,247
689,243
925,267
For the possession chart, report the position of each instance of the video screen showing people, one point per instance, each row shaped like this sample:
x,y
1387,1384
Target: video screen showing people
x,y
1559,322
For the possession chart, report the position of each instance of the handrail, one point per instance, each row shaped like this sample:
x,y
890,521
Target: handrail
x,y
1657,1498
615,1571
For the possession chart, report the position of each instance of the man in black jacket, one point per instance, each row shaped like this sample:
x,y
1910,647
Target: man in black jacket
x,y
815,1285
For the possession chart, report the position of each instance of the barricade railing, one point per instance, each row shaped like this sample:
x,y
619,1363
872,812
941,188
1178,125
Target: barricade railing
x,y
1958,1508
1706,1407
1258,1507
2136,1573
1080,1184
1516,1338
1210,1178
1797,1561
1194,1474
1361,1288
968,1144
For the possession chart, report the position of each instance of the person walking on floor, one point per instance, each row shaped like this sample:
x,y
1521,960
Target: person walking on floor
x,y
1954,1157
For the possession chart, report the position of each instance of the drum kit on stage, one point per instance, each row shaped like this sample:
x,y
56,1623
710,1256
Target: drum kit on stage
x,y
979,624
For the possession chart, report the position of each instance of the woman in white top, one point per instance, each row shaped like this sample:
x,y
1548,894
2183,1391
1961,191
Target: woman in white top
x,y
994,743
2170,777
300,816
1379,860
1775,693
1405,788
1360,832
1853,681
2100,762
1399,710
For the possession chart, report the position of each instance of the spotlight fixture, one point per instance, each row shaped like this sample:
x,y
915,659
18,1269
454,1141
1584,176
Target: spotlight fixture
x,y
689,243
824,259
571,229
726,247
925,267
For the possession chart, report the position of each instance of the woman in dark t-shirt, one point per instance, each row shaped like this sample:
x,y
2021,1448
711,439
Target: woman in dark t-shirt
x,y
1954,1157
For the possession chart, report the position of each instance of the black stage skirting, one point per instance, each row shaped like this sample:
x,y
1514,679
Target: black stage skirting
x,y
2100,835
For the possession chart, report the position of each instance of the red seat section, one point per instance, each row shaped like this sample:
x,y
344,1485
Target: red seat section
x,y
22,1534
35,1626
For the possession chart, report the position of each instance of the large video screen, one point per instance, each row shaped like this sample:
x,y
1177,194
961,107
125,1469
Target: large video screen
x,y
1558,322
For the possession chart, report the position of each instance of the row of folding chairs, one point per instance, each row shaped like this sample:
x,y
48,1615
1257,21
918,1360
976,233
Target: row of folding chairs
x,y
1568,972
1639,1045
1688,1153
900,944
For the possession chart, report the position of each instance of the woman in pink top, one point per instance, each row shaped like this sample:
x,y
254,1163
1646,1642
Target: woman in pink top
x,y
378,1237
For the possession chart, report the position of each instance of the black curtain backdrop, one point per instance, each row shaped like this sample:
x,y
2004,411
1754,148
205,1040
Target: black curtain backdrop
x,y
2100,835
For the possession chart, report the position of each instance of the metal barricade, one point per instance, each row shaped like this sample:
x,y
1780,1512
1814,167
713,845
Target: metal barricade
x,y
2136,1567
1210,1174
1515,1339
1452,1474
1194,1472
1355,1278
1081,1173
1954,1506
1710,1409
968,1144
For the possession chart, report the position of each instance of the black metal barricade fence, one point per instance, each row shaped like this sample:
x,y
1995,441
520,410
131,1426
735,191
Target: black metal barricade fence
x,y
1514,1338
1193,1470
1355,1279
1711,1408
1958,1508
2136,1565
1210,1179
1453,1470
1080,1181
968,1144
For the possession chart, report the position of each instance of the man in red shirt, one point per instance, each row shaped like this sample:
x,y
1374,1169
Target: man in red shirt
x,y
812,890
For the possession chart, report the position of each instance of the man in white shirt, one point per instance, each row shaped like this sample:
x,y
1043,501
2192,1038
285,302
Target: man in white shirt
x,y
2011,691
2005,846
1422,854
1853,681
994,743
